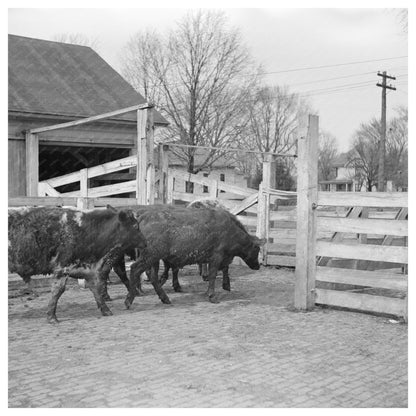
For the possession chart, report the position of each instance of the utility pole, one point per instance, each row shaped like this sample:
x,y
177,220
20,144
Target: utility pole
x,y
382,147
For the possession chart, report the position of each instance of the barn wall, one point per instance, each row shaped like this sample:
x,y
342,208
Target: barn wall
x,y
17,168
94,134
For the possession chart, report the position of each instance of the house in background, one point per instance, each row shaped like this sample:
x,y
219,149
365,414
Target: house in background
x,y
53,82
223,169
344,177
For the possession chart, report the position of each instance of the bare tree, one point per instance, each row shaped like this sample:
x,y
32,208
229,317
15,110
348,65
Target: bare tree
x,y
77,39
364,154
201,76
328,152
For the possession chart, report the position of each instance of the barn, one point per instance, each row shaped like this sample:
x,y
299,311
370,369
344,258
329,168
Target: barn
x,y
52,82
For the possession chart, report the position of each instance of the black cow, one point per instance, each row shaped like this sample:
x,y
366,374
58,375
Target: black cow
x,y
184,236
203,269
70,243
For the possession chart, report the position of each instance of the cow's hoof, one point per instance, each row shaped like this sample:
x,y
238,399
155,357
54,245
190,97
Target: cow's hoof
x,y
177,288
213,298
166,301
106,298
106,312
52,320
226,287
127,303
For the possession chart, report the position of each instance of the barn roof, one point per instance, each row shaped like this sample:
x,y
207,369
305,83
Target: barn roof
x,y
53,78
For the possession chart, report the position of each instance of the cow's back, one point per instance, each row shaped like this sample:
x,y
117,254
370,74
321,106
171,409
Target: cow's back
x,y
186,236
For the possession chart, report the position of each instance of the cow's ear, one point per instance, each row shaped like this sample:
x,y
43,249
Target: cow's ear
x,y
123,216
112,209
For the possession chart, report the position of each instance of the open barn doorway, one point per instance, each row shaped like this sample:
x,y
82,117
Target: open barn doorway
x,y
60,160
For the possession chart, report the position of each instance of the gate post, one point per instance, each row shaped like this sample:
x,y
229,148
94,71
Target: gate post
x,y
141,172
32,164
307,197
150,162
164,171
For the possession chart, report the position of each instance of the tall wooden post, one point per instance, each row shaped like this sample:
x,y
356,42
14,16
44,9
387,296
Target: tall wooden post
x,y
141,173
32,164
150,166
164,170
307,196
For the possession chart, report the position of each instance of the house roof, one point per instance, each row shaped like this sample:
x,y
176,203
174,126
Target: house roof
x,y
341,160
53,78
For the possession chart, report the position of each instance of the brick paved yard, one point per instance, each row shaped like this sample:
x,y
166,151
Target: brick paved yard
x,y
250,350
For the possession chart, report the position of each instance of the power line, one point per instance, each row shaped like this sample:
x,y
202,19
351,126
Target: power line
x,y
333,65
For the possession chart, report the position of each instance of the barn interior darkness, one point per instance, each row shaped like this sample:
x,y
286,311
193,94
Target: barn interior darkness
x,y
60,160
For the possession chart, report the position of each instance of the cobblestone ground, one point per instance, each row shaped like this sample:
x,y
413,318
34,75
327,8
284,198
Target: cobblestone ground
x,y
250,350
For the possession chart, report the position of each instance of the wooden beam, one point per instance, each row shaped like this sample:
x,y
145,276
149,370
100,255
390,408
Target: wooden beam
x,y
150,165
164,171
90,119
42,201
106,190
141,176
361,301
378,279
364,199
307,196
32,164
392,254
363,226
245,204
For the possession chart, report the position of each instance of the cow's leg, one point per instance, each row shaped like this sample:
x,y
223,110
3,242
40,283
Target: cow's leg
x,y
156,284
120,270
57,289
212,274
165,274
136,269
226,279
96,283
203,271
175,281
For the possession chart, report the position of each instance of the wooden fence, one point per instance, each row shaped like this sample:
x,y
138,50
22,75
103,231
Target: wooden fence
x,y
382,215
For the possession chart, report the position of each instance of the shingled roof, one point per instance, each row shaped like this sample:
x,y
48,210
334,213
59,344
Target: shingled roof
x,y
53,78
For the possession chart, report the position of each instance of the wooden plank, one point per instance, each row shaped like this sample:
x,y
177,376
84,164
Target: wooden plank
x,y
190,177
363,199
90,119
42,201
83,183
245,204
384,280
307,190
276,234
183,196
361,301
164,171
281,247
48,189
150,166
106,190
392,254
115,202
141,155
363,226
238,190
283,216
32,164
248,221
275,260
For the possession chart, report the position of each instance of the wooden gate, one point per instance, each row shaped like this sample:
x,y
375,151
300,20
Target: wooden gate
x,y
370,228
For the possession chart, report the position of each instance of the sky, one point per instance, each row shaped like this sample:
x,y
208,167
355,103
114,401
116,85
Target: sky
x,y
289,43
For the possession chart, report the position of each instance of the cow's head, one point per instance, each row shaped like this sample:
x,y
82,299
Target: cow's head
x,y
132,237
251,253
